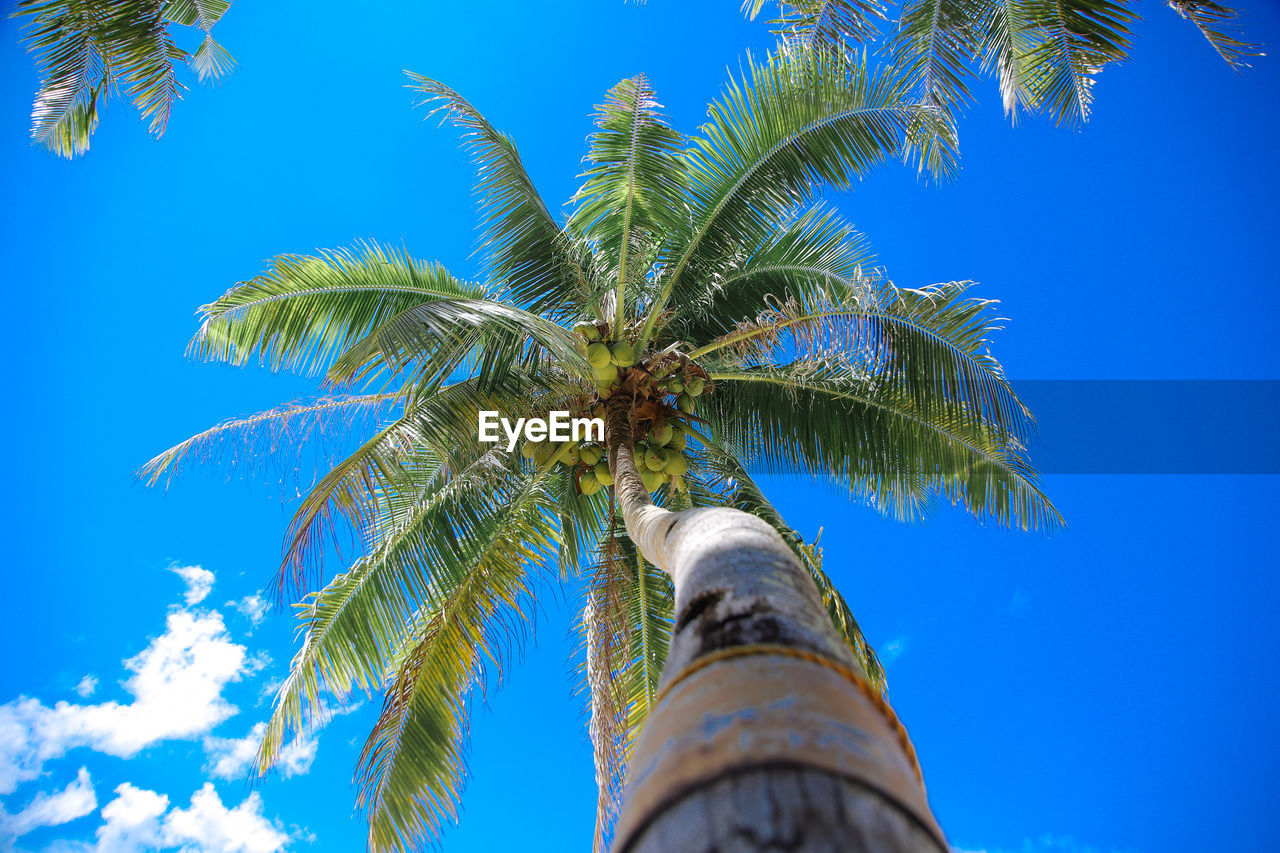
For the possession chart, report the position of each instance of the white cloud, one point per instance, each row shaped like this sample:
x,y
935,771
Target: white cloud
x,y
140,820
74,801
199,583
235,758
177,686
214,828
87,685
131,820
251,607
894,649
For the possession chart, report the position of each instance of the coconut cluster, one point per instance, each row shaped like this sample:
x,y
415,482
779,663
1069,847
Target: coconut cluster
x,y
665,393
587,457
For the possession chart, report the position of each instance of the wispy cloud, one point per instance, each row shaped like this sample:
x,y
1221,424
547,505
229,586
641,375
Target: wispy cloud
x,y
199,583
234,758
251,607
1043,844
894,649
72,802
141,820
177,686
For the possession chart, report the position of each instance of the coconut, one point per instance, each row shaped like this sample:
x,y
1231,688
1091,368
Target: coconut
x,y
623,354
655,458
590,454
652,479
605,373
661,434
676,464
695,386
588,483
528,450
598,355
602,474
587,330
684,403
674,385
678,440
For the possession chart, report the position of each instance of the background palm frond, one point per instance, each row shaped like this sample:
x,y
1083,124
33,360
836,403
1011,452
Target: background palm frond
x,y
86,49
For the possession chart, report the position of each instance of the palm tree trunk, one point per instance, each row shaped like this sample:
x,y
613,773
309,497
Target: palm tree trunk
x,y
765,735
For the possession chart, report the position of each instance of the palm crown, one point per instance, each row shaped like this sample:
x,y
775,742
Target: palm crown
x,y
698,279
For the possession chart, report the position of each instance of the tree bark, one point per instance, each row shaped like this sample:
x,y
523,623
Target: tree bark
x,y
766,735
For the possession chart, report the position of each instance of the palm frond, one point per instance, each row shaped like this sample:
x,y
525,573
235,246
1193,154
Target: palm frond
x,y
930,345
799,121
1048,53
355,490
823,416
434,603
934,45
429,342
1219,25
86,49
306,310
274,436
626,633
527,250
827,24
634,185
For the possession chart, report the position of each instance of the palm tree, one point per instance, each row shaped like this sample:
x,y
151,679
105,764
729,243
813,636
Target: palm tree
x,y
1045,54
701,301
86,49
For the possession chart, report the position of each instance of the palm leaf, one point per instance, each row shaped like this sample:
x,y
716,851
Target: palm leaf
x,y
1216,23
799,121
1048,52
306,310
822,416
828,24
635,181
526,249
935,44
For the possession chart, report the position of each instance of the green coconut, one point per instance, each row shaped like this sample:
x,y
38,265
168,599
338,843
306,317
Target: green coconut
x,y
587,330
695,386
662,434
684,403
676,464
652,479
588,483
678,440
590,454
655,458
602,473
528,450
598,355
605,373
674,385
623,354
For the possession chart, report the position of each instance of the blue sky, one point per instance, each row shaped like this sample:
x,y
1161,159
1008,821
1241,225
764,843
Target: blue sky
x,y
1107,689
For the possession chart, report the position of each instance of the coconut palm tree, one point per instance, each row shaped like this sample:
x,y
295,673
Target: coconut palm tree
x,y
720,319
87,49
1045,54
